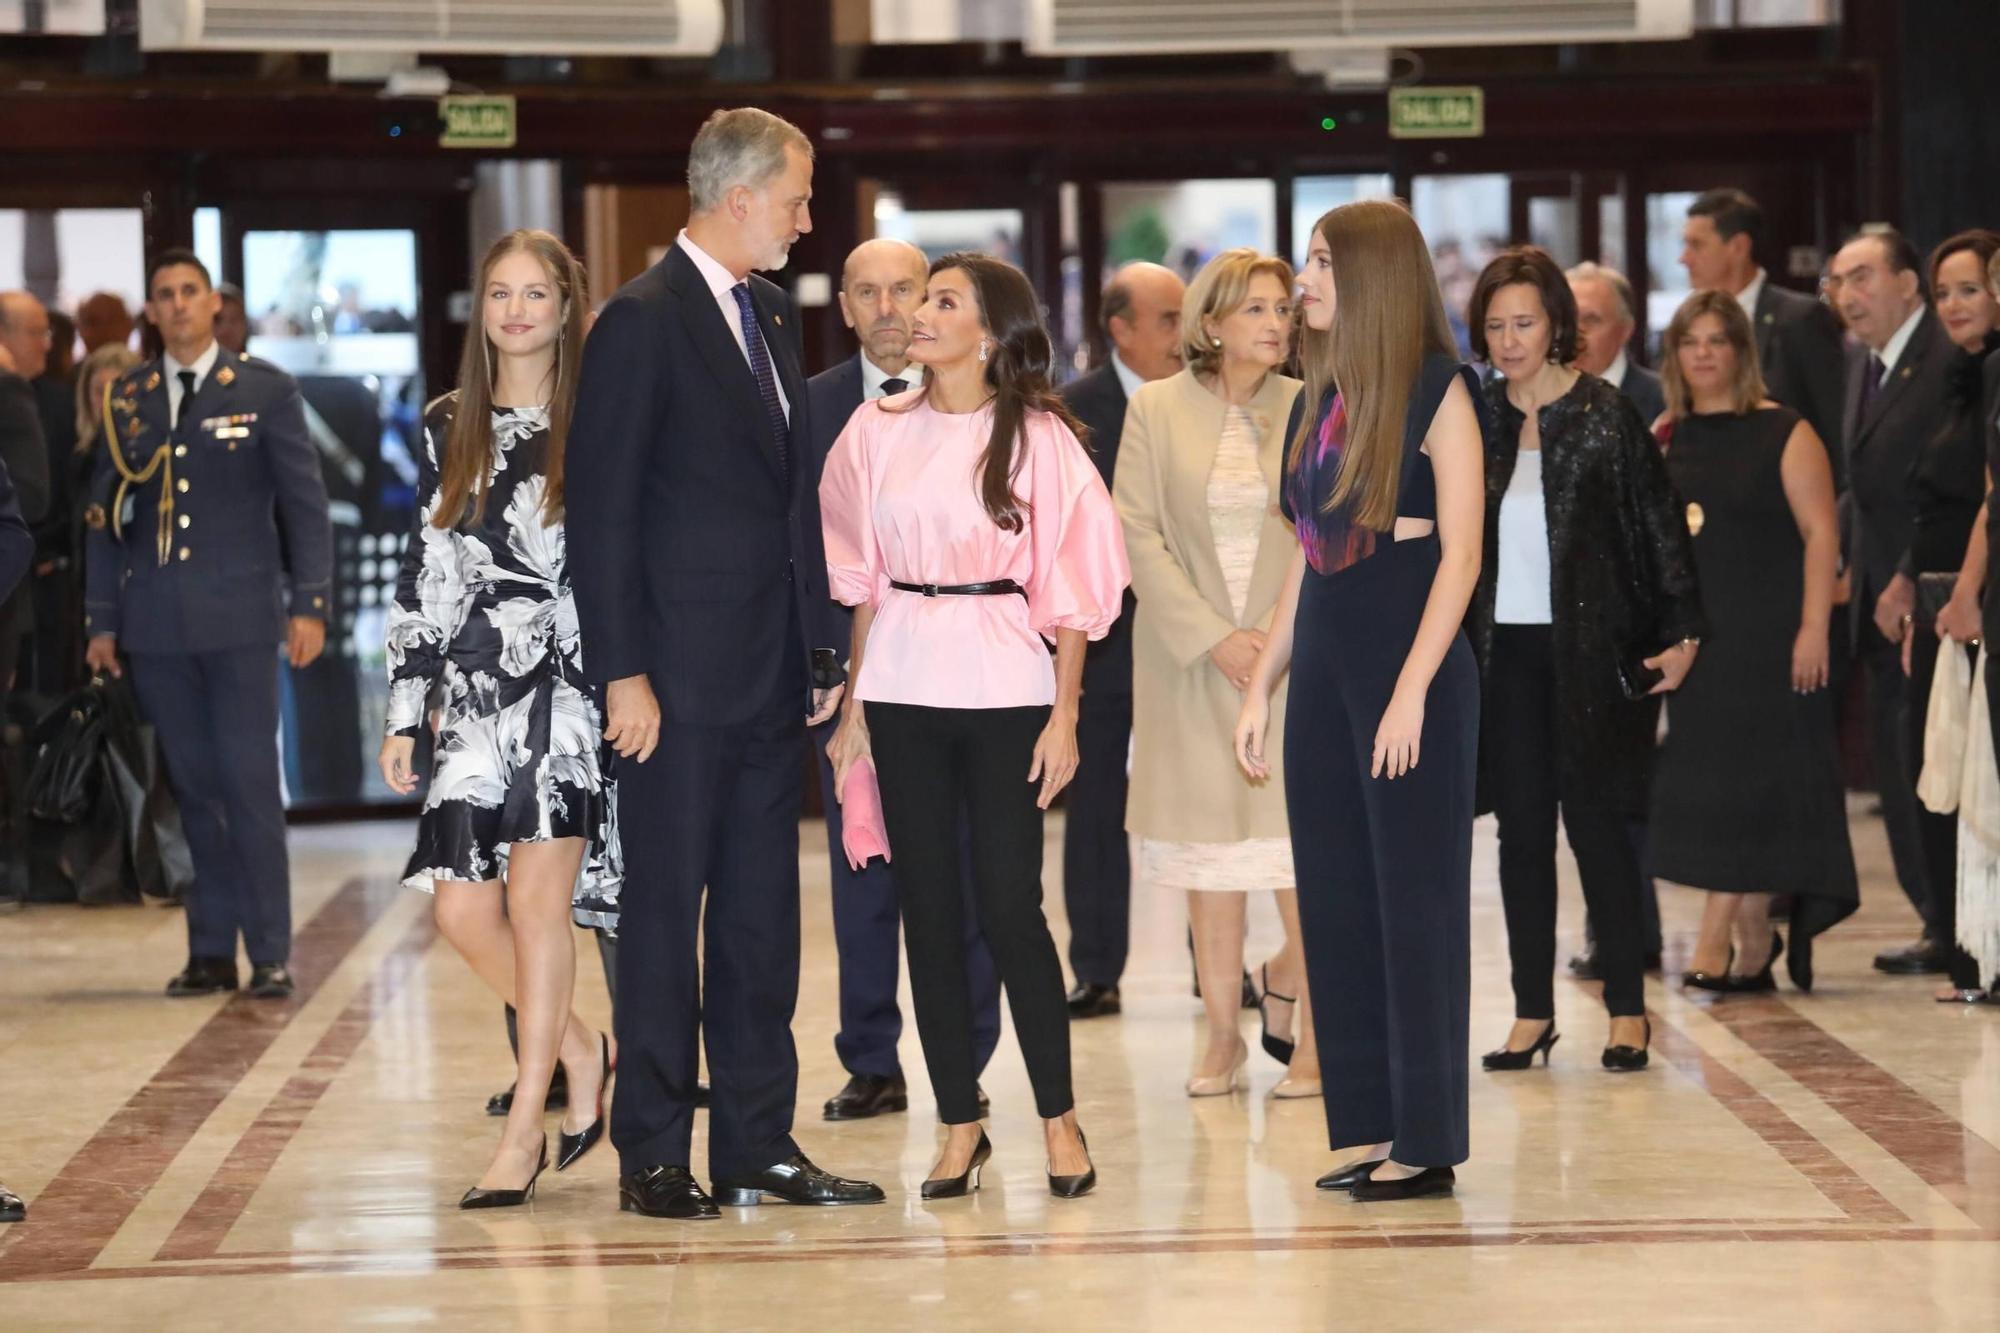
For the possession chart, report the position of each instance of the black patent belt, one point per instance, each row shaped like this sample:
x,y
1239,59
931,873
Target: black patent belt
x,y
997,588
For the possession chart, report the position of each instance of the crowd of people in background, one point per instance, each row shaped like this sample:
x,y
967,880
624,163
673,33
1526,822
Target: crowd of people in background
x,y
1331,591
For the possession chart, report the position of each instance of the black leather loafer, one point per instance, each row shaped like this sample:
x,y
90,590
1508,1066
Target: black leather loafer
x,y
1919,959
271,981
1430,1183
867,1096
671,1192
204,976
796,1180
1347,1177
1087,999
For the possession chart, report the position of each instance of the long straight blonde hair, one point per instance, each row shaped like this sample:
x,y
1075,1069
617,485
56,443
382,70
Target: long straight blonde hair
x,y
1388,316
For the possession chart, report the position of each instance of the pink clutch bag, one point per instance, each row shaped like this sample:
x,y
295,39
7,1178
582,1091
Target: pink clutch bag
x,y
863,834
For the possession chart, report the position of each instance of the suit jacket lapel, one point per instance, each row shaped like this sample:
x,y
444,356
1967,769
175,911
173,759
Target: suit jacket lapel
x,y
1766,321
1850,415
1914,354
778,345
703,317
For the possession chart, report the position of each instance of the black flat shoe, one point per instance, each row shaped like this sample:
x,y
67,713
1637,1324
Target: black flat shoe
x,y
796,1180
1074,1187
570,1146
1430,1183
1629,1059
500,1103
953,1187
11,1207
479,1198
1087,999
271,981
867,1096
1504,1059
203,976
1760,982
1347,1177
670,1192
1278,1048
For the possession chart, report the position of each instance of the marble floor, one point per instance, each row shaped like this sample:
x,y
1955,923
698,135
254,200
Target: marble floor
x,y
1826,1160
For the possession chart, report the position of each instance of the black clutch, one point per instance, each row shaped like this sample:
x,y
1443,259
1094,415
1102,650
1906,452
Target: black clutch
x,y
1933,592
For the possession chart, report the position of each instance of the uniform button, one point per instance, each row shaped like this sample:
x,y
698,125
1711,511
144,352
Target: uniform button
x,y
186,521
180,451
319,601
181,485
185,553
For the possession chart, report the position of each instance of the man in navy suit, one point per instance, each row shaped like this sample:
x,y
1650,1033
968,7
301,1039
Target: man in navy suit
x,y
881,286
17,552
207,502
701,595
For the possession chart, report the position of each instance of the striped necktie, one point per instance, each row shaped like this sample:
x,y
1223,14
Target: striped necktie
x,y
767,379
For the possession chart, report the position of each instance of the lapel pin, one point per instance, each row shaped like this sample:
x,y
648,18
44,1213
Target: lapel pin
x,y
779,320
226,376
1695,518
152,381
1907,372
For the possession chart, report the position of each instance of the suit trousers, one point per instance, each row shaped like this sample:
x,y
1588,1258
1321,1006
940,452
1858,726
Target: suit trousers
x,y
710,826
216,715
932,763
1097,851
1521,768
1937,834
1890,721
867,940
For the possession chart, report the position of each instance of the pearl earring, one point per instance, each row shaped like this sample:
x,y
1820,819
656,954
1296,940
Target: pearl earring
x,y
1214,341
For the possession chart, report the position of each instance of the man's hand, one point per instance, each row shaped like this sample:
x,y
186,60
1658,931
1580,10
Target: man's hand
x,y
305,640
101,656
825,704
632,721
1894,608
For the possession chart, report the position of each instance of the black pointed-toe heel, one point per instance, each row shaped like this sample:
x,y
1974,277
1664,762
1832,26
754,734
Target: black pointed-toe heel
x,y
479,1198
1762,981
1629,1059
954,1187
1504,1059
1275,1046
1074,1187
1347,1177
570,1146
1715,981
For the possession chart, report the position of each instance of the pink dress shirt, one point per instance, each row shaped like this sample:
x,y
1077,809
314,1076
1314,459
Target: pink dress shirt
x,y
899,499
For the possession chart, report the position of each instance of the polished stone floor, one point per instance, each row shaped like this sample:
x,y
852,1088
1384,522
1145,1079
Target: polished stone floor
x,y
1825,1161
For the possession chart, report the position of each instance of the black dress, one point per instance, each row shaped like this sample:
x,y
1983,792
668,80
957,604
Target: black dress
x,y
1747,793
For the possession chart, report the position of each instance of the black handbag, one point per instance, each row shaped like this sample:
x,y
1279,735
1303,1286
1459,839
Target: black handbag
x,y
68,744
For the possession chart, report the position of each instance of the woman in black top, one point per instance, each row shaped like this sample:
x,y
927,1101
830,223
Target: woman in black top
x,y
1948,484
1586,613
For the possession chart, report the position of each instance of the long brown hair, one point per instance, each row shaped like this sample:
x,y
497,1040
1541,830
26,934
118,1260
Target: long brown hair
x,y
1017,370
1388,316
468,445
1746,388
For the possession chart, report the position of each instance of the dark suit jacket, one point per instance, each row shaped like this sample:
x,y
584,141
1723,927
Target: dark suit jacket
x,y
17,544
1098,400
1800,347
26,459
1908,411
1643,387
834,394
691,549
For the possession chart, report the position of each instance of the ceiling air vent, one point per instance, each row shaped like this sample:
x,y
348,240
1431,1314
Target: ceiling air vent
x,y
500,27
1128,27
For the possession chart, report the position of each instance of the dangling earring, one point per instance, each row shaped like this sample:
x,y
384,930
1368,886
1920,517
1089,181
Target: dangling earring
x,y
982,351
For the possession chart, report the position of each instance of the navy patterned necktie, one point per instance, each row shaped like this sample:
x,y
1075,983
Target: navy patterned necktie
x,y
894,385
766,377
1871,386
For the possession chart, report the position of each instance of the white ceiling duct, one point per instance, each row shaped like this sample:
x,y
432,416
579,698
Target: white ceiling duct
x,y
498,27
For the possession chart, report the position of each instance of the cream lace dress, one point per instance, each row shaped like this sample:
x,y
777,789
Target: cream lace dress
x,y
1239,502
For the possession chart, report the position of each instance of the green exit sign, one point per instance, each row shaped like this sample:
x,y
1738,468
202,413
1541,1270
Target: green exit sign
x,y
477,122
1437,113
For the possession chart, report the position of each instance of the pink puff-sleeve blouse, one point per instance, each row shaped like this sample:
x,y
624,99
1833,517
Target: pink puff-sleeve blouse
x,y
899,498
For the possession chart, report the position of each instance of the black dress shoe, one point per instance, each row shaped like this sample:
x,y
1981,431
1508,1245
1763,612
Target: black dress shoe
x,y
867,1096
1630,1059
1090,1000
1347,1177
569,1147
11,1207
204,976
1074,1187
1920,959
954,1187
795,1180
1429,1183
666,1191
271,981
500,1103
479,1198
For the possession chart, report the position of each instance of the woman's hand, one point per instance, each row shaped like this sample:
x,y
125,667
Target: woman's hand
x,y
1673,666
1252,721
632,717
395,760
1960,620
849,746
1055,757
1810,659
1399,737
1236,655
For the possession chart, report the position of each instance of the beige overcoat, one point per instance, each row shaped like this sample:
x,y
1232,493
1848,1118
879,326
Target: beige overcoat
x,y
1186,786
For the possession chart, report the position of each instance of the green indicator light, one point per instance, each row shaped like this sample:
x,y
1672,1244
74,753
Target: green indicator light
x,y
1328,123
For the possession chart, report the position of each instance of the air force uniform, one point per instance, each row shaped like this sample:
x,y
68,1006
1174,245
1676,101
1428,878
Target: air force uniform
x,y
207,504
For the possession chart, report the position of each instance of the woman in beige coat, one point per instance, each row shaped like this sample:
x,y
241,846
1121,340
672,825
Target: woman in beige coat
x,y
1196,488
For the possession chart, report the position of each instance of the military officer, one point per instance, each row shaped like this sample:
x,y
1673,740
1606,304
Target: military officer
x,y
206,452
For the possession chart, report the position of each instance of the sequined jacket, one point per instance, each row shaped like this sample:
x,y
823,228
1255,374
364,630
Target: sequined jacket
x,y
1622,572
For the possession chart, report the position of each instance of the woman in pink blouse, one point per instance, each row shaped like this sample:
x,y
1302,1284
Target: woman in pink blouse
x,y
966,525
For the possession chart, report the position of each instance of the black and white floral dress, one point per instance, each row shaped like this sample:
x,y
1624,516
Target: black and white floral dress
x,y
484,611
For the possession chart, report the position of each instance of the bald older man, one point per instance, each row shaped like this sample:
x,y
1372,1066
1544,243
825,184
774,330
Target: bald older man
x,y
1141,313
881,286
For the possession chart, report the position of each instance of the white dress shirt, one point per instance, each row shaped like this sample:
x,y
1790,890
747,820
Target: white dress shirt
x,y
1128,378
1892,351
722,284
1747,298
873,377
201,365
1614,374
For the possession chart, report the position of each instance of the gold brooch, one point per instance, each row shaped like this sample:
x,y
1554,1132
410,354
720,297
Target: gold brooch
x,y
1695,518
225,376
